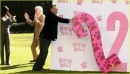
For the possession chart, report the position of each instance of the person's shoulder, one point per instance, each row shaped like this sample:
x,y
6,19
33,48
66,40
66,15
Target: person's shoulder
x,y
49,14
42,16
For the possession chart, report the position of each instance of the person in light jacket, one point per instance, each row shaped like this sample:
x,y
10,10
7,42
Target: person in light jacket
x,y
38,23
48,34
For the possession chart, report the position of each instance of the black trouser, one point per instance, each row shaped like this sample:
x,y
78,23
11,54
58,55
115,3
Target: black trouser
x,y
44,45
5,44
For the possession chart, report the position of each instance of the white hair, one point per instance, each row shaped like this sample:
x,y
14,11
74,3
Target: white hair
x,y
40,8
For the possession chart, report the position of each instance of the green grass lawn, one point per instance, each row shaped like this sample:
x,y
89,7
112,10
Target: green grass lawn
x,y
21,55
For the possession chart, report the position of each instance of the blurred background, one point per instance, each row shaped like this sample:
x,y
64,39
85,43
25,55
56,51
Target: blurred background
x,y
18,8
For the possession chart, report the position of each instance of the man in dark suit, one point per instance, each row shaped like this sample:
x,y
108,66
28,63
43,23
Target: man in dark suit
x,y
48,34
6,20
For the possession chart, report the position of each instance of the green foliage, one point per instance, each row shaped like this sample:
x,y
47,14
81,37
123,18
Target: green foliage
x,y
21,28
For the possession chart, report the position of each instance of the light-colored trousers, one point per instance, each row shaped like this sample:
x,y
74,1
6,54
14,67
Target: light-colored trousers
x,y
34,45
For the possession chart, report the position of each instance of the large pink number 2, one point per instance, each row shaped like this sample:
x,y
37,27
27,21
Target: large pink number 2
x,y
104,64
121,34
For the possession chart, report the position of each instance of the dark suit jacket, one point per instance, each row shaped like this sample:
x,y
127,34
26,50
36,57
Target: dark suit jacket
x,y
5,25
49,30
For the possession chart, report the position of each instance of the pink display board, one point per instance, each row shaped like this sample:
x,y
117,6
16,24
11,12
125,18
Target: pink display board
x,y
96,39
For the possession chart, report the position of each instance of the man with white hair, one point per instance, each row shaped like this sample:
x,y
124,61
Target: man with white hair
x,y
38,23
48,34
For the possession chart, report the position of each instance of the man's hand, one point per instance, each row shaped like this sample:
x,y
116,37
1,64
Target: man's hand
x,y
70,20
35,18
26,16
14,18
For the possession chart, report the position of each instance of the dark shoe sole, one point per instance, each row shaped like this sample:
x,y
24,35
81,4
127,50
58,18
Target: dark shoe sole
x,y
37,69
2,64
32,60
7,64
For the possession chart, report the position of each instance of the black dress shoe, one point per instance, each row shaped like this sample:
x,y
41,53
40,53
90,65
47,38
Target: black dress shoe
x,y
32,60
7,63
2,64
38,69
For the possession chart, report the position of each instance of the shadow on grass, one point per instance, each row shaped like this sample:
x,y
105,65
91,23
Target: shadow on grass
x,y
52,71
61,71
3,67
